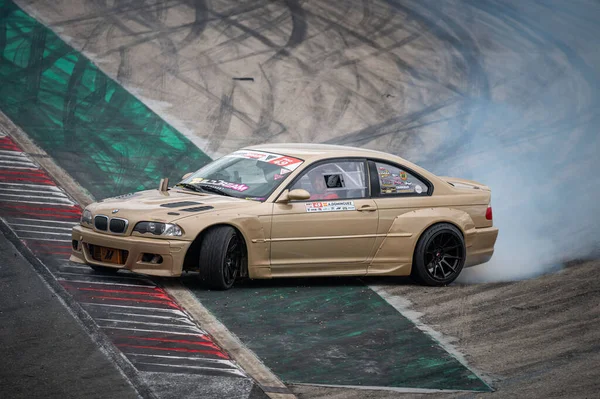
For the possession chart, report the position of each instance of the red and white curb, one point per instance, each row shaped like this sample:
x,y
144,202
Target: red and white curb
x,y
140,318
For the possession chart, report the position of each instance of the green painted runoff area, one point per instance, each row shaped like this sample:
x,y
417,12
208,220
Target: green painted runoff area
x,y
334,332
107,139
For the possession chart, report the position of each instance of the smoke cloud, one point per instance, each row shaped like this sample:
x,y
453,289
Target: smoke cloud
x,y
535,139
545,185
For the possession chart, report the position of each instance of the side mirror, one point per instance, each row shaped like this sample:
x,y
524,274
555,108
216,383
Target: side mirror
x,y
298,194
186,176
294,195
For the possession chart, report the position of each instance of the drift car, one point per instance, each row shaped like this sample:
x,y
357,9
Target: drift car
x,y
294,210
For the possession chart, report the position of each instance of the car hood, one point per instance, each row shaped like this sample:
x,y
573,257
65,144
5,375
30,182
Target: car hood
x,y
154,205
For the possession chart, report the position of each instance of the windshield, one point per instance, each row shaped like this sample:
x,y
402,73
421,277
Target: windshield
x,y
244,174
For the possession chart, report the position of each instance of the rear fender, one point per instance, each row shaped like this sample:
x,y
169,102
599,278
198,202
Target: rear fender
x,y
395,254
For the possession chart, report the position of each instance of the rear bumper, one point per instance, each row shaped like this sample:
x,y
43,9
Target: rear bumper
x,y
172,252
482,246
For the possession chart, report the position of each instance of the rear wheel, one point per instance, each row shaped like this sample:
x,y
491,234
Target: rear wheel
x,y
104,269
439,256
221,255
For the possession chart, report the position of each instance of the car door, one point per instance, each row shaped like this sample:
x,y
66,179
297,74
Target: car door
x,y
396,190
331,233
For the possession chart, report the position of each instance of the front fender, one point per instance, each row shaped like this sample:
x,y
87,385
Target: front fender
x,y
252,228
395,253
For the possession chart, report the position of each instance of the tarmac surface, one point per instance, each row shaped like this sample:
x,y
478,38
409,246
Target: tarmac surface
x,y
46,352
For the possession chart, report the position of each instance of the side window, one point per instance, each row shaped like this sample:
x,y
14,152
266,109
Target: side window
x,y
393,180
335,180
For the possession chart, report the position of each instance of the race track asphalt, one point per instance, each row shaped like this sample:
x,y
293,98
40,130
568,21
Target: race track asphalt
x,y
46,352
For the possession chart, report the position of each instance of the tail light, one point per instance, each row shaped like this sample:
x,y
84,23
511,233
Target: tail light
x,y
488,212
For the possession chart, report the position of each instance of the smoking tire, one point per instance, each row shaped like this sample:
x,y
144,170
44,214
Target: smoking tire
x,y
439,256
220,258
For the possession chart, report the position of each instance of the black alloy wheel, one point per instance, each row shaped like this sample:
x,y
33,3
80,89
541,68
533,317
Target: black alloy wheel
x,y
439,256
233,260
221,256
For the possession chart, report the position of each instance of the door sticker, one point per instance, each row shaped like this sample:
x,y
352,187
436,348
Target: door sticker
x,y
330,206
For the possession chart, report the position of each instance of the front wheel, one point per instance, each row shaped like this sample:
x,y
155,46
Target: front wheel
x,y
439,256
221,255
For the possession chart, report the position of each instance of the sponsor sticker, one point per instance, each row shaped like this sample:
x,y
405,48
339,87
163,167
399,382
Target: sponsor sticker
x,y
330,206
418,189
403,175
221,183
383,172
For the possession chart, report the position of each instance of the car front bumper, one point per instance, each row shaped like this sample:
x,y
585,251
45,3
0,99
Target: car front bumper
x,y
481,246
172,252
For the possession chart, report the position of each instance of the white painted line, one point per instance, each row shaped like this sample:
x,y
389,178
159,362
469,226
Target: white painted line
x,y
8,164
377,388
144,330
43,239
47,221
38,186
224,371
192,328
23,190
137,307
20,198
195,359
37,202
42,227
25,168
42,232
11,152
404,307
18,156
16,159
151,316
47,195
99,277
101,283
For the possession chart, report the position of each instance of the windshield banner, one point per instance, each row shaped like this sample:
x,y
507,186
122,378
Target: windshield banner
x,y
220,183
283,161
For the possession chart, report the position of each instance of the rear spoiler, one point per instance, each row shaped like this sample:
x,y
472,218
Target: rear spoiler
x,y
463,183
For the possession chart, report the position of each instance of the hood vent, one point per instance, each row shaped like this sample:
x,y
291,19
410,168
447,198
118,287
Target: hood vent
x,y
197,209
178,204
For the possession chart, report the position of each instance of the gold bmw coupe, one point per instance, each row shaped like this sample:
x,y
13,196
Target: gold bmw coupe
x,y
294,210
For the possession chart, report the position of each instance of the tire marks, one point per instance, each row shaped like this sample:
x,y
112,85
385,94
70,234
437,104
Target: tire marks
x,y
220,119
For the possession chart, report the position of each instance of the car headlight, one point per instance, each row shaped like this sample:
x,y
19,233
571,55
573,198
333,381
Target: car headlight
x,y
157,228
86,217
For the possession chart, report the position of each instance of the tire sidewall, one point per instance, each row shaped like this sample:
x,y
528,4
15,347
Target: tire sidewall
x,y
420,268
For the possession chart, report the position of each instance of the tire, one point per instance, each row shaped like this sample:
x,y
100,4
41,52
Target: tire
x,y
439,256
221,254
104,269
